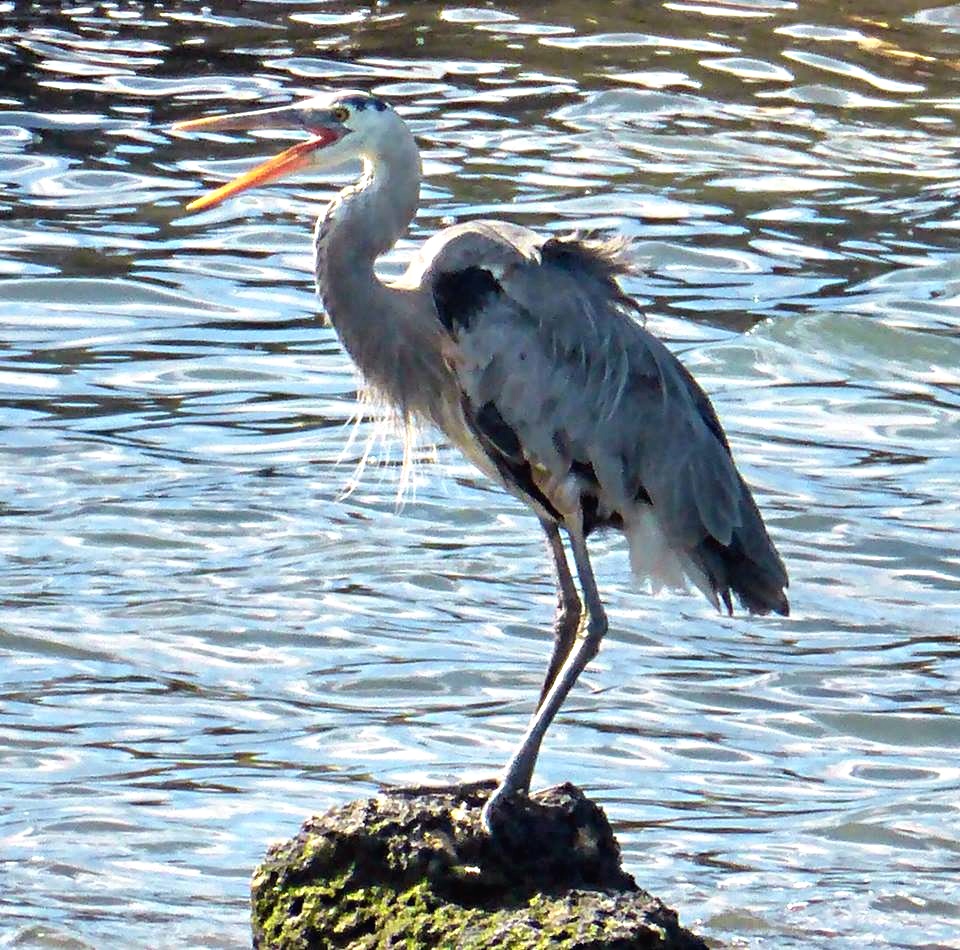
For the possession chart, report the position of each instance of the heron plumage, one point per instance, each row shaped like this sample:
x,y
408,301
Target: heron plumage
x,y
599,412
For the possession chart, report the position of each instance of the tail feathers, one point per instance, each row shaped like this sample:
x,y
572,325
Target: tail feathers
x,y
758,583
748,567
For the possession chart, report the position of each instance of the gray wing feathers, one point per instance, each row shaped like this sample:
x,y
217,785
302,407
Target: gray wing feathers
x,y
555,347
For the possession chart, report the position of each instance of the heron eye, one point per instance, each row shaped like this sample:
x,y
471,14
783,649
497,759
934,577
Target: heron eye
x,y
340,113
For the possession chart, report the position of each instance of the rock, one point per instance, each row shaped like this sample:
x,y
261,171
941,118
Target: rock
x,y
413,868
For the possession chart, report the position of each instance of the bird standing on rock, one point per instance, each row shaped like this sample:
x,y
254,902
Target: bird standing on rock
x,y
527,354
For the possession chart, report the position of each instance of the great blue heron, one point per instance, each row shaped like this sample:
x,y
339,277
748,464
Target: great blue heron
x,y
527,354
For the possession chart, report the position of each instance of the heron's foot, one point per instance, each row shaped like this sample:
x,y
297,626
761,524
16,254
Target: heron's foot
x,y
503,802
515,784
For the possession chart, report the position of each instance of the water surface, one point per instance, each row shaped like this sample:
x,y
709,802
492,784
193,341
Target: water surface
x,y
204,639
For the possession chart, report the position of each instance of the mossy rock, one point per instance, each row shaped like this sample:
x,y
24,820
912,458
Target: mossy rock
x,y
413,868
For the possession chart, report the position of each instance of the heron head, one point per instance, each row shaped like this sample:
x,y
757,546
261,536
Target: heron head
x,y
341,127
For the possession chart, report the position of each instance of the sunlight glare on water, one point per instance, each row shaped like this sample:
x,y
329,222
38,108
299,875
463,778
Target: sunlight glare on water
x,y
205,639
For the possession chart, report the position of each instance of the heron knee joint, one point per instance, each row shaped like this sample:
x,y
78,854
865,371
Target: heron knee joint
x,y
596,628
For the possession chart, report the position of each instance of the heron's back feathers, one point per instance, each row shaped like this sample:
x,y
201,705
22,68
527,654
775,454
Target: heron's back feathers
x,y
577,408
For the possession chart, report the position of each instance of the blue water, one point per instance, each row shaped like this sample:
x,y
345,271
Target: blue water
x,y
205,639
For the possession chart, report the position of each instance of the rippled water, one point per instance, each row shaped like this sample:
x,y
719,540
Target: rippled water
x,y
204,641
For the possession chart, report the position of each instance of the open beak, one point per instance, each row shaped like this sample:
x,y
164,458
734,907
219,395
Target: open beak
x,y
290,160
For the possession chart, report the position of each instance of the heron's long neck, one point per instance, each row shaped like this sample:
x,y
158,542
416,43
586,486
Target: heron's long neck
x,y
363,222
377,324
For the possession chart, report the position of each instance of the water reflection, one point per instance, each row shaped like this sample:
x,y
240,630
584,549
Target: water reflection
x,y
204,639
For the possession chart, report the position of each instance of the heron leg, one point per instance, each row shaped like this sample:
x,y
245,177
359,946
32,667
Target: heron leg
x,y
519,770
569,609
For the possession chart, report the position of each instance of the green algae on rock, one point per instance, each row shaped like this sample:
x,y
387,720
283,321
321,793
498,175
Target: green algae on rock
x,y
413,868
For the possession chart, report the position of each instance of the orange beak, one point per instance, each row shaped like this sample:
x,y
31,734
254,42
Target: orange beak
x,y
286,163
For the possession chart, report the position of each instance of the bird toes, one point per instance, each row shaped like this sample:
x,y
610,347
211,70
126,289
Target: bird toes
x,y
500,806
